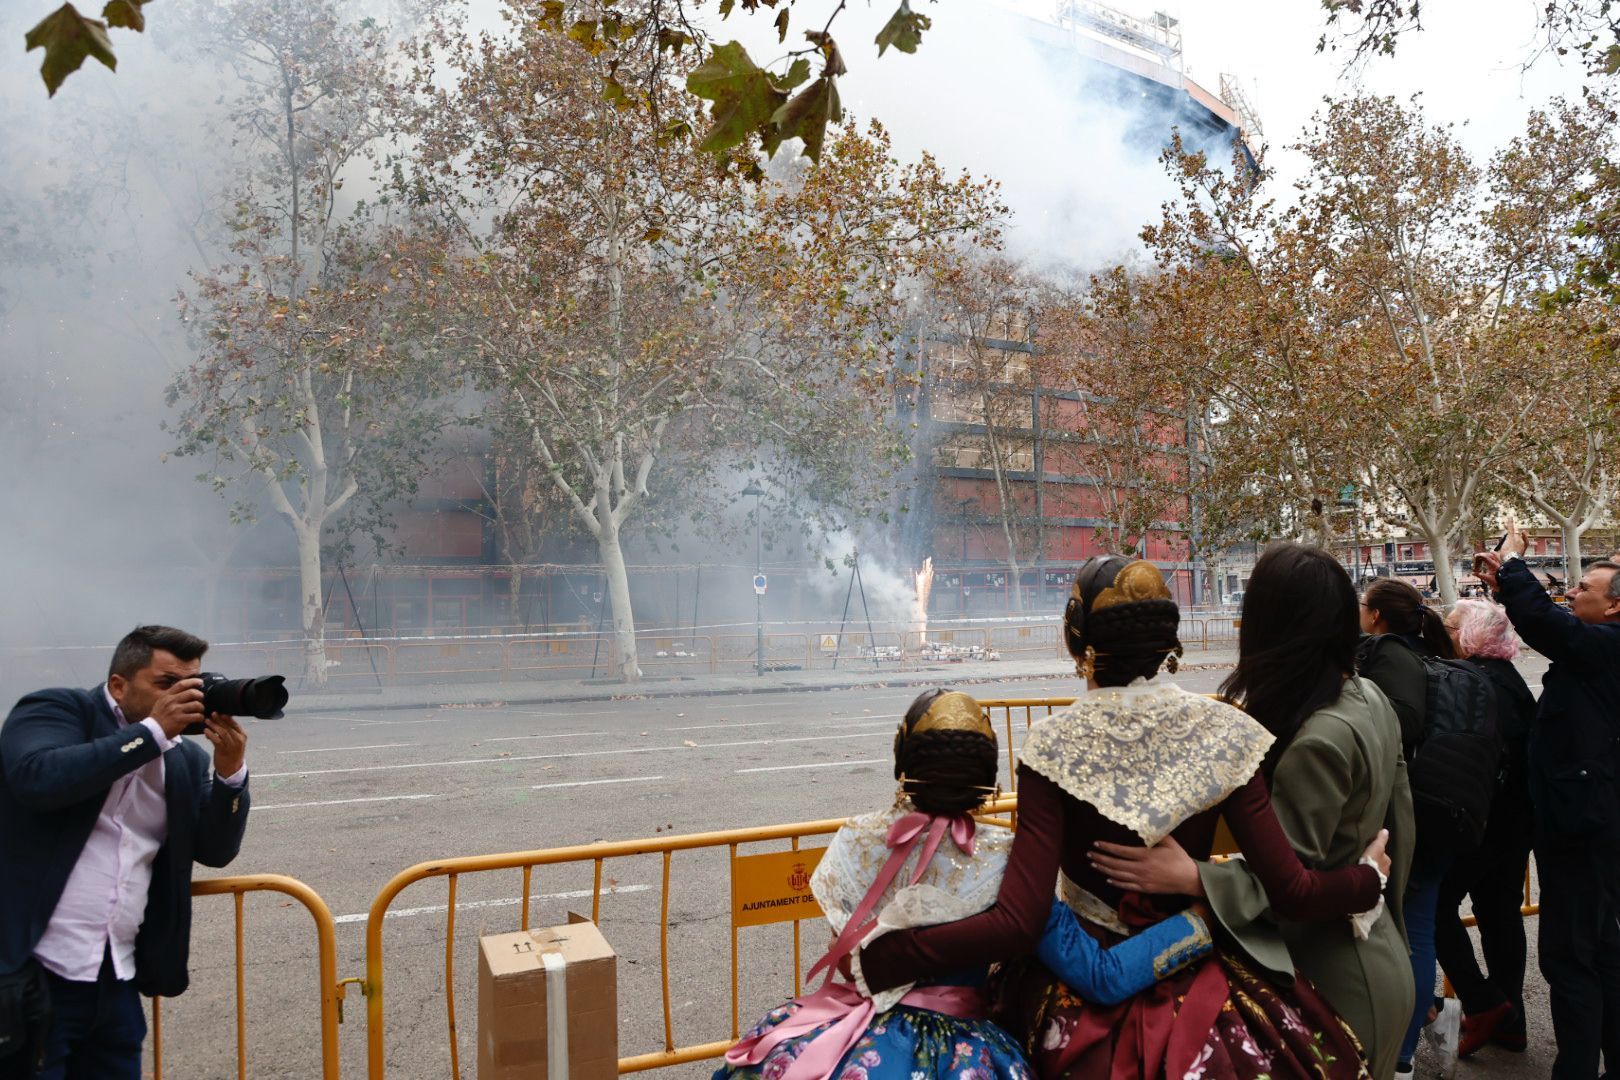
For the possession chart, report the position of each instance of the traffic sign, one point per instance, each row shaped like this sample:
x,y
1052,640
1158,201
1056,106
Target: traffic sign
x,y
759,584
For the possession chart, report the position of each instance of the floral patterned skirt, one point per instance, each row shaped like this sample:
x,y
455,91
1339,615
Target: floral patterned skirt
x,y
1215,1019
902,1043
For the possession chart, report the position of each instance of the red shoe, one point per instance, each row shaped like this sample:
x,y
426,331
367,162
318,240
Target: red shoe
x,y
1479,1029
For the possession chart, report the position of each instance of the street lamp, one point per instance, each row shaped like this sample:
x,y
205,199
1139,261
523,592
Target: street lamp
x,y
759,594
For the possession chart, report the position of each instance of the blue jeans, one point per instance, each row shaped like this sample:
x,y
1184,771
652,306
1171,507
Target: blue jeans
x,y
1419,904
96,1028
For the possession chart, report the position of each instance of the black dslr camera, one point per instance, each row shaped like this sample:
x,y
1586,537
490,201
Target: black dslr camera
x,y
263,697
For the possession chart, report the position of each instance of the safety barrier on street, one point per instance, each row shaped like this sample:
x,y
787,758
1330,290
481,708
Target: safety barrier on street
x,y
595,855
1029,710
331,993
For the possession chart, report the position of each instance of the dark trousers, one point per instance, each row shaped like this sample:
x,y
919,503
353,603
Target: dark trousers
x,y
1492,876
96,1028
1579,943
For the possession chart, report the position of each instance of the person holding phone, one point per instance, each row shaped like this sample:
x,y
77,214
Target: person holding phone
x,y
1574,763
103,809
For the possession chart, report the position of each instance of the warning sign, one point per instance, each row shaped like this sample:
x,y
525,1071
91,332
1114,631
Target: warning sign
x,y
829,642
774,888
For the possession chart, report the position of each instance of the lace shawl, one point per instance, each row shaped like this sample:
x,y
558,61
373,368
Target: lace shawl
x,y
953,886
1147,756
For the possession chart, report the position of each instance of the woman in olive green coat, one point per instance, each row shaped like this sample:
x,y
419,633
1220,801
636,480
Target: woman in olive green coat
x,y
1337,778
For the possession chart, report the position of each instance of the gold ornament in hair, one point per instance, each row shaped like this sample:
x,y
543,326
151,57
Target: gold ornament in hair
x,y
1138,581
1086,666
955,711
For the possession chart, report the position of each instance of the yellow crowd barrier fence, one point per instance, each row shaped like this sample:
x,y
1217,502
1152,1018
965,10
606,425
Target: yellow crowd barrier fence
x,y
330,993
596,856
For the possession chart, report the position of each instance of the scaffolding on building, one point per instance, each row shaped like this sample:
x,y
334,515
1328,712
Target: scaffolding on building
x,y
1159,35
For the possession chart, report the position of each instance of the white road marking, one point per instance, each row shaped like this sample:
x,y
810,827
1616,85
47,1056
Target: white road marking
x,y
472,905
435,720
340,802
708,727
797,721
337,749
593,783
564,735
571,754
816,765
564,711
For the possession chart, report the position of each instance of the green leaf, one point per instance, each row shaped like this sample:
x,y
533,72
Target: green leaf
x,y
125,14
808,114
796,75
903,30
673,39
744,95
67,38
551,14
781,25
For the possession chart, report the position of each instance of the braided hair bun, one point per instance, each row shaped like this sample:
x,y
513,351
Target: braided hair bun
x,y
1122,612
945,764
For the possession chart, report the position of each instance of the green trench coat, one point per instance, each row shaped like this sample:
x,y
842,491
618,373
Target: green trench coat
x,y
1340,780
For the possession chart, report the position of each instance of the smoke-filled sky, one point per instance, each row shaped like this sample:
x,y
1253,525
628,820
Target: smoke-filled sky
x,y
110,194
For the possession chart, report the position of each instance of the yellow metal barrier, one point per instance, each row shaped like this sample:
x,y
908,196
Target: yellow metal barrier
x,y
331,993
1032,709
596,855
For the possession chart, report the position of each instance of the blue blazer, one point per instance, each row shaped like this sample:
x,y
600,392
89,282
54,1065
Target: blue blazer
x,y
60,753
1575,741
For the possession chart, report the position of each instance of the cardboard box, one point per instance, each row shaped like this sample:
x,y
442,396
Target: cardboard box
x,y
548,1005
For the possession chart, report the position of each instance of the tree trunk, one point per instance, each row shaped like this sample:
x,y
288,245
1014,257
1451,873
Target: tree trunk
x,y
618,582
314,611
1571,528
1444,579
514,597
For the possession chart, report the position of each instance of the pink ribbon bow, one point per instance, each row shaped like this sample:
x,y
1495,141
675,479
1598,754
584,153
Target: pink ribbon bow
x,y
843,1006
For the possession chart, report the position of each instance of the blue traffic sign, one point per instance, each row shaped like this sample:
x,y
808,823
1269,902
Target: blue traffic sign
x,y
759,584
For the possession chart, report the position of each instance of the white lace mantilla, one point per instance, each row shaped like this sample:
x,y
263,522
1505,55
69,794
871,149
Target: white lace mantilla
x,y
953,886
1147,756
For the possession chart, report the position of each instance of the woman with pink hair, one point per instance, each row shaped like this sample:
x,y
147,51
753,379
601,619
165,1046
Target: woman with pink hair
x,y
1492,875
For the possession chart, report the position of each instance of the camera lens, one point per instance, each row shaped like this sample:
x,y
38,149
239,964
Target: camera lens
x,y
262,697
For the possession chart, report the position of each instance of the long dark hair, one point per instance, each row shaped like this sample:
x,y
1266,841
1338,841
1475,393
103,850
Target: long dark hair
x,y
1402,607
1297,642
945,772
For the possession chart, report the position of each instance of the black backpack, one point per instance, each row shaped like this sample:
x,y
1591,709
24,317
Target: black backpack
x,y
1455,768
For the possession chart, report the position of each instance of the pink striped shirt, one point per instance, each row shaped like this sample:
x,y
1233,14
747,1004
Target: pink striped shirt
x,y
104,901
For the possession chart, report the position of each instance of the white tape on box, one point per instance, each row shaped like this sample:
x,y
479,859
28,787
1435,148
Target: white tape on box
x,y
556,1016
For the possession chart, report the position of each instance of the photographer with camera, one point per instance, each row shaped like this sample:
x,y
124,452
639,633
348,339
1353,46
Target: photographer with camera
x,y
103,808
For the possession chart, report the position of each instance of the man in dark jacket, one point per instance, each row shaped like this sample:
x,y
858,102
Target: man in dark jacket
x,y
1575,785
103,809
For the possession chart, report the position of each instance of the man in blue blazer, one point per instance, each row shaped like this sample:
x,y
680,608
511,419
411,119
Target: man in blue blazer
x,y
1574,753
103,809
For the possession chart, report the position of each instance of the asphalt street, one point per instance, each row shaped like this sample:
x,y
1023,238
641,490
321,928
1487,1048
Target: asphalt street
x,y
343,801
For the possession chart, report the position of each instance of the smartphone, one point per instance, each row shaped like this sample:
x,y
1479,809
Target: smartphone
x,y
1499,543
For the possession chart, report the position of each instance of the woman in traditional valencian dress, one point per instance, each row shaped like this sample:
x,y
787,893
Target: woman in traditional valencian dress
x,y
919,863
1336,774
1134,762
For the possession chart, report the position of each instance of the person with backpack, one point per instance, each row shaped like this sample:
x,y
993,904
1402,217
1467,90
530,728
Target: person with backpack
x,y
1449,736
1492,874
1574,766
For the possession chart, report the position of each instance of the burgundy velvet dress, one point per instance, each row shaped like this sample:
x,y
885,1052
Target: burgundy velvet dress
x,y
1214,1019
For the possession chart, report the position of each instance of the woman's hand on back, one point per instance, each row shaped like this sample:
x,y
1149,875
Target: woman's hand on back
x,y
1165,868
1375,852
